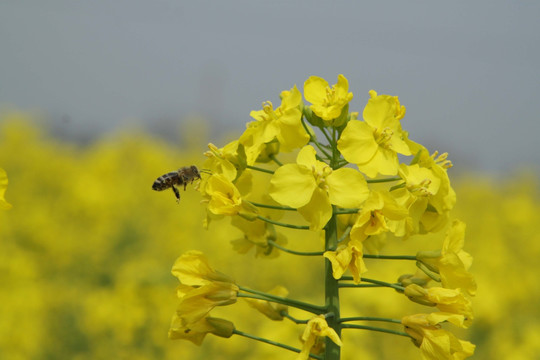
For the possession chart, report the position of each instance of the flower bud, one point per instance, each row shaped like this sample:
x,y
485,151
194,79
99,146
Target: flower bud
x,y
223,328
418,294
271,148
408,279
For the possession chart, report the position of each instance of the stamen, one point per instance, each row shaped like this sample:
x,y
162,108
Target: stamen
x,y
442,160
382,137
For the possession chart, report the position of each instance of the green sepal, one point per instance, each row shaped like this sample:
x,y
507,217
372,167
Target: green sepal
x,y
312,118
342,119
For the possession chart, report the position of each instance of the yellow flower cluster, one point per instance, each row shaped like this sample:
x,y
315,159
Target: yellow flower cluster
x,y
351,187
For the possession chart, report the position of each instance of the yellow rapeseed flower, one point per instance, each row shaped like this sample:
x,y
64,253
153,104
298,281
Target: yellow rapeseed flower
x,y
327,102
312,187
201,287
347,257
197,302
221,161
449,301
196,332
372,219
316,328
282,124
452,262
434,342
192,269
440,204
374,144
421,185
223,196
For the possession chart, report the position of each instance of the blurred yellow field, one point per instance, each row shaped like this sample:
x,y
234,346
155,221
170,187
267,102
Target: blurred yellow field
x,y
86,254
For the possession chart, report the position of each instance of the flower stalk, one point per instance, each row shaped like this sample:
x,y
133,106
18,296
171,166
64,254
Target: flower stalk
x,y
315,309
274,343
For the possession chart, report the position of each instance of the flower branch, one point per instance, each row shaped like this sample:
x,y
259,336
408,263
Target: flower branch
x,y
260,295
291,226
294,252
372,328
275,343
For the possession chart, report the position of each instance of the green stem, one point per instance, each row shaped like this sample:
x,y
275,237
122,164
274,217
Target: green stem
x,y
299,227
293,319
370,318
378,282
271,342
372,328
428,271
277,207
373,181
260,295
390,257
341,164
321,149
341,285
323,130
313,140
345,234
335,153
260,169
274,159
331,285
320,158
294,252
398,186
332,351
346,211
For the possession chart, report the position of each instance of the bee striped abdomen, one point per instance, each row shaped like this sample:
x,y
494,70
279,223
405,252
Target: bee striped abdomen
x,y
183,176
166,181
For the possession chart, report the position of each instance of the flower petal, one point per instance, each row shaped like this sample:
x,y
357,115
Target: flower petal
x,y
306,157
347,188
384,162
318,211
357,144
315,89
292,185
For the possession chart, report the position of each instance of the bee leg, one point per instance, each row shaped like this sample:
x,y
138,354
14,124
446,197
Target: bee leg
x,y
176,193
185,182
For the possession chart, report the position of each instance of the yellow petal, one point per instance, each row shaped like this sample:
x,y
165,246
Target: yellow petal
x,y
306,157
315,89
342,88
384,162
292,137
192,268
318,211
379,113
357,144
340,260
292,185
347,188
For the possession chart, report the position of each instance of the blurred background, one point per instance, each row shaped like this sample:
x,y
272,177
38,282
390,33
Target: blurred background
x,y
99,98
466,71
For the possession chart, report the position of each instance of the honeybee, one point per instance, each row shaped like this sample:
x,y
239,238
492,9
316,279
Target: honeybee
x,y
181,177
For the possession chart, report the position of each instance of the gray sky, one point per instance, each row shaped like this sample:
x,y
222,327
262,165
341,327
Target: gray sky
x,y
467,71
